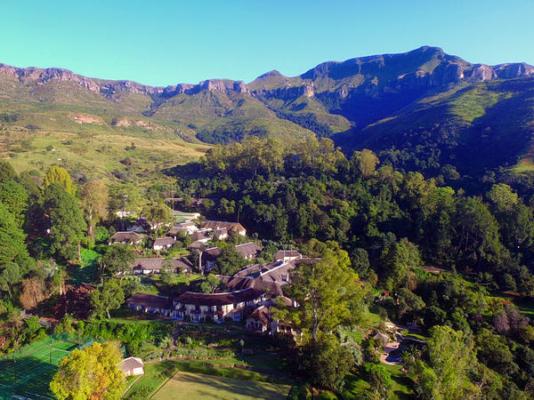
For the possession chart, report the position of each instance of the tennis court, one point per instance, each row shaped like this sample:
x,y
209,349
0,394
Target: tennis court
x,y
28,371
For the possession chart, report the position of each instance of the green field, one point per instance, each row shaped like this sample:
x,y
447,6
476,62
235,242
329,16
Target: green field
x,y
185,385
28,371
195,379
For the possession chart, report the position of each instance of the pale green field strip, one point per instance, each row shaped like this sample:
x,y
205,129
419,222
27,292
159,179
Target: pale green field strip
x,y
189,386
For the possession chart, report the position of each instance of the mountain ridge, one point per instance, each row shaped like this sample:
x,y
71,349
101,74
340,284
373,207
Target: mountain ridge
x,y
370,101
473,72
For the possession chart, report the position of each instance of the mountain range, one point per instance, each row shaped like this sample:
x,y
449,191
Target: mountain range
x,y
421,109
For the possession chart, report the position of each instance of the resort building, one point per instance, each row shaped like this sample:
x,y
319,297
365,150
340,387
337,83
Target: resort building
x,y
216,307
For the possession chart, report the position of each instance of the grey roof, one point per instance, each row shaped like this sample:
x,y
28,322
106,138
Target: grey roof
x,y
200,235
219,299
164,241
197,246
151,263
182,227
126,237
269,278
248,250
157,263
182,263
212,253
230,226
281,254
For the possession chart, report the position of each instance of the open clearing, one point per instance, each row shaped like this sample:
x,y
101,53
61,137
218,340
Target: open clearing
x,y
186,385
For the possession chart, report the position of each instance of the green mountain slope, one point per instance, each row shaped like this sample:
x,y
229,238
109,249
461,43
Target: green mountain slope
x,y
423,109
473,127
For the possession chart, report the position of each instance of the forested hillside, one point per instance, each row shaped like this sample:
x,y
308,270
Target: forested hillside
x,y
439,257
450,273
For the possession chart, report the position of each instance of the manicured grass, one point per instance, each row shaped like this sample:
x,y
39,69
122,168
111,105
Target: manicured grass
x,y
257,370
28,371
155,375
199,386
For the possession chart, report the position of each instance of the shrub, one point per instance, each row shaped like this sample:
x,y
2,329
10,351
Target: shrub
x,y
299,392
327,396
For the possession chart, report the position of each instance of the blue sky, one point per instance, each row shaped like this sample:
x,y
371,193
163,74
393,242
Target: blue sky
x,y
165,42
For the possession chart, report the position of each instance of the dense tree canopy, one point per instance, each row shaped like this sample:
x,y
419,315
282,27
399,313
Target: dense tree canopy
x,y
310,190
440,252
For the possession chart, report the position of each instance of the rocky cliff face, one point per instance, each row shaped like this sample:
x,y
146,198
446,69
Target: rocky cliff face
x,y
362,90
42,76
426,67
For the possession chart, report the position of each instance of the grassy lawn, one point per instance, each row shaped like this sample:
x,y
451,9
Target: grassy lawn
x,y
197,378
29,371
198,386
264,364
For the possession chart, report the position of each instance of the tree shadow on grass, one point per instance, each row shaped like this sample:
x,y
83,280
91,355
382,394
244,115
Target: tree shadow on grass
x,y
26,376
87,274
213,387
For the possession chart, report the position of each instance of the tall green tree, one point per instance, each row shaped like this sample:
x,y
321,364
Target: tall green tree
x,y
14,258
516,220
125,197
398,260
477,241
364,162
67,225
210,283
328,293
445,374
117,259
60,176
229,262
90,373
15,198
326,362
157,215
95,201
108,297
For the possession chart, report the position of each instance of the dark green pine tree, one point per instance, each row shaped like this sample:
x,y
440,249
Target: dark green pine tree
x,y
66,222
